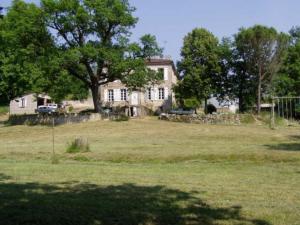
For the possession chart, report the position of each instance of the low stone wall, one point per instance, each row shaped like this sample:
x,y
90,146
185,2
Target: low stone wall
x,y
232,119
48,119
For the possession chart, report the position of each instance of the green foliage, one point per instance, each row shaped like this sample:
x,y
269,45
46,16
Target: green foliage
x,y
4,109
260,49
287,82
83,50
24,43
191,103
29,61
149,47
78,145
95,45
198,66
297,108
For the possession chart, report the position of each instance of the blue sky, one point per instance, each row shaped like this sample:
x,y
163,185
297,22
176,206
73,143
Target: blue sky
x,y
171,20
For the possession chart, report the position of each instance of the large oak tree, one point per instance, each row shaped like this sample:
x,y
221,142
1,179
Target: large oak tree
x,y
93,38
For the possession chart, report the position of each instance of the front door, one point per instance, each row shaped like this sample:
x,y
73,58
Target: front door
x,y
134,98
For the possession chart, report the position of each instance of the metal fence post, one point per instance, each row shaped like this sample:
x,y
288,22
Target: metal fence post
x,y
273,114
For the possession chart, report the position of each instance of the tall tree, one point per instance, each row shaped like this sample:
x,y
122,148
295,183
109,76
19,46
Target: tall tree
x,y
261,49
199,65
287,82
1,15
29,61
93,36
24,39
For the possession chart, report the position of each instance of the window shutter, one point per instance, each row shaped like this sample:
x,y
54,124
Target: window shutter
x,y
117,94
166,76
105,95
155,93
146,95
25,102
166,93
20,102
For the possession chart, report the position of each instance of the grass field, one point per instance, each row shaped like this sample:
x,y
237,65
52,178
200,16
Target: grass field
x,y
151,172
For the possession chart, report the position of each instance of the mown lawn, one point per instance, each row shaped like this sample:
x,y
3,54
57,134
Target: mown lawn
x,y
151,172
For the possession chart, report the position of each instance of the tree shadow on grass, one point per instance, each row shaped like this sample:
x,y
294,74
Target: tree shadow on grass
x,y
293,147
128,204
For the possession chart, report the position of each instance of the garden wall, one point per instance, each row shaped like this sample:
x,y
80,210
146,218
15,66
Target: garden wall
x,y
48,119
233,119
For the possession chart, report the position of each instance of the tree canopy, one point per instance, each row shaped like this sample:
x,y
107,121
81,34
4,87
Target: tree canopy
x,y
93,38
198,66
261,49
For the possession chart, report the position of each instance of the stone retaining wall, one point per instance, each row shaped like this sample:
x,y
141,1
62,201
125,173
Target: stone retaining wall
x,y
48,119
233,119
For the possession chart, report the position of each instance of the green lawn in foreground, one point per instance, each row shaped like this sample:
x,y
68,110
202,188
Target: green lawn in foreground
x,y
151,172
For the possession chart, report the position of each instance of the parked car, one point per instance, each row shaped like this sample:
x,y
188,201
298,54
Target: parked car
x,y
46,109
53,106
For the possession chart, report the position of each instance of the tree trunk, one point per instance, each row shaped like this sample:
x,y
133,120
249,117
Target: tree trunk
x,y
96,98
258,106
205,105
241,103
259,96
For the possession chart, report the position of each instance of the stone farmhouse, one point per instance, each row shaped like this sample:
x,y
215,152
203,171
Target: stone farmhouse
x,y
115,95
153,99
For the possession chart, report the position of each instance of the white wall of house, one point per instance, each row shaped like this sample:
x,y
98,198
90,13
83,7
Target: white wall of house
x,y
159,97
26,104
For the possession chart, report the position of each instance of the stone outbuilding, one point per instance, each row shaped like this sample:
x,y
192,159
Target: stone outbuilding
x,y
28,104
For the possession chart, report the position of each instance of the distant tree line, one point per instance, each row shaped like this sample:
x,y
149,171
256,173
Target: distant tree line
x,y
256,63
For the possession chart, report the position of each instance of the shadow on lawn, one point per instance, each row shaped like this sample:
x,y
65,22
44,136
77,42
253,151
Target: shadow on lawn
x,y
86,204
293,147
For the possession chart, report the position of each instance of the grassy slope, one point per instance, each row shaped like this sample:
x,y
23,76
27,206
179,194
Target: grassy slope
x,y
167,173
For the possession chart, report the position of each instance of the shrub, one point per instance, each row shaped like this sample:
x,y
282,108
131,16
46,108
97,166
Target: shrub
x,y
78,145
70,109
3,110
191,103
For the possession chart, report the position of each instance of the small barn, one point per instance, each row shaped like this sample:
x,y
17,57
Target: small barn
x,y
27,104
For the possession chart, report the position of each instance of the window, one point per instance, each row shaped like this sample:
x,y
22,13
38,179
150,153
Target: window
x,y
149,94
111,95
123,95
161,93
161,73
22,103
